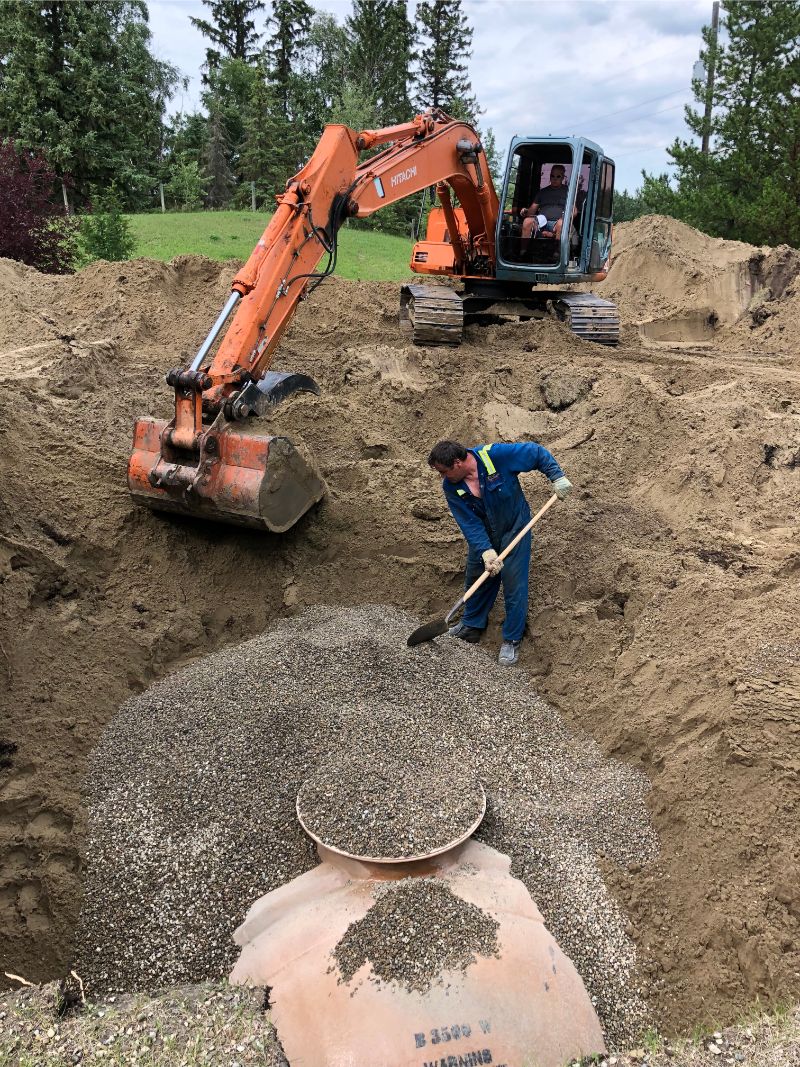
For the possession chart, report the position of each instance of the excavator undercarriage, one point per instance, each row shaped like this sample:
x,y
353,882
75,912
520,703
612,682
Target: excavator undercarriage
x,y
437,314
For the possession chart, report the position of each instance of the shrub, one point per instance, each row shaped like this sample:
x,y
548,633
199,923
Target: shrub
x,y
186,185
34,228
105,234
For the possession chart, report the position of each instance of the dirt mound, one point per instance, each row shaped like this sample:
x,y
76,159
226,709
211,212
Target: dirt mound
x,y
676,284
664,598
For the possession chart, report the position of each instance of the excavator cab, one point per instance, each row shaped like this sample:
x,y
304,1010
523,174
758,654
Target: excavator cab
x,y
566,178
546,177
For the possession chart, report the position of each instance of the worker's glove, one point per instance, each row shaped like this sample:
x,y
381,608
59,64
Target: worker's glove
x,y
492,561
562,487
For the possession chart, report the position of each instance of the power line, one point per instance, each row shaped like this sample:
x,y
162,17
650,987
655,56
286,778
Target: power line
x,y
622,110
643,63
633,152
639,118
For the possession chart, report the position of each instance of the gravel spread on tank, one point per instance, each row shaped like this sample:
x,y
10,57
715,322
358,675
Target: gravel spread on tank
x,y
388,809
414,932
192,789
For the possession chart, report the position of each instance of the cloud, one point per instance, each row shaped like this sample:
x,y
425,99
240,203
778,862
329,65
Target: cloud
x,y
617,71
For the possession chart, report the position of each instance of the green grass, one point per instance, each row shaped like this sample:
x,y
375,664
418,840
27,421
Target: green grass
x,y
363,254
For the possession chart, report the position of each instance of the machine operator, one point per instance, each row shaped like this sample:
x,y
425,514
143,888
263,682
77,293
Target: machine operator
x,y
481,486
550,202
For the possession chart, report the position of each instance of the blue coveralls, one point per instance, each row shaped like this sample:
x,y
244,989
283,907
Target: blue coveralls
x,y
491,521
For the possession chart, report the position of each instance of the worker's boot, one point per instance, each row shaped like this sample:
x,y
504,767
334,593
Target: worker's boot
x,y
509,653
465,633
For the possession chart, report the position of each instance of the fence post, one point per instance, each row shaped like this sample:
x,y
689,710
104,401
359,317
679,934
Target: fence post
x,y
66,199
161,194
252,196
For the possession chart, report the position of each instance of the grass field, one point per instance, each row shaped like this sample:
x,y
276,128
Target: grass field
x,y
363,254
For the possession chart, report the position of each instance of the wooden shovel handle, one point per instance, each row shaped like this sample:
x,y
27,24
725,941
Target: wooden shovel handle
x,y
509,548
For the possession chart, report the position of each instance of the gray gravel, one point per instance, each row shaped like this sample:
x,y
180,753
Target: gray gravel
x,y
383,806
192,789
414,933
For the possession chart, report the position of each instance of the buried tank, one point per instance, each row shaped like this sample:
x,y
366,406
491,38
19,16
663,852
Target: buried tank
x,y
414,960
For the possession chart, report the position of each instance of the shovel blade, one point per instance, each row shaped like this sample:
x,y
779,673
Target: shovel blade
x,y
427,632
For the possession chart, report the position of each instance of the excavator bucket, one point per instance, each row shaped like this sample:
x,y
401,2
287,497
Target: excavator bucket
x,y
241,476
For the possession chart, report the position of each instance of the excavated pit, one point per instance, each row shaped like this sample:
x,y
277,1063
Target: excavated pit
x,y
663,604
696,327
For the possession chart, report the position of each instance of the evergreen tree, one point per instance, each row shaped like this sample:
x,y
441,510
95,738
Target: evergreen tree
x,y
748,187
233,31
185,186
324,67
494,160
220,180
186,137
278,131
442,79
229,87
263,159
628,206
106,234
381,52
78,80
291,25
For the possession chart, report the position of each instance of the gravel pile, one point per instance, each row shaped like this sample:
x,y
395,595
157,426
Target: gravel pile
x,y
192,791
387,809
415,931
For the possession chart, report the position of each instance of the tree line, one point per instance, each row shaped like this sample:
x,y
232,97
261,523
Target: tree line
x,y
81,88
747,186
79,80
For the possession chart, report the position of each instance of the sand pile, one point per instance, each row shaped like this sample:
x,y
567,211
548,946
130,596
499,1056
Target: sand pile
x,y
663,604
679,285
187,829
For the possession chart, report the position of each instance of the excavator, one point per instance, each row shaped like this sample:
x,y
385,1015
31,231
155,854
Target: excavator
x,y
211,460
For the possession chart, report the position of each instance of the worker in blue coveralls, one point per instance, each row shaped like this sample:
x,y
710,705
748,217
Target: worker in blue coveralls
x,y
481,486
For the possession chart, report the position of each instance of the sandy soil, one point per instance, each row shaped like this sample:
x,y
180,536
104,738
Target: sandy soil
x,y
665,595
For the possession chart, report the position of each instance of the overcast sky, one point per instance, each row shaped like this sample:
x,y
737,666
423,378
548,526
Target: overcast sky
x,y
618,71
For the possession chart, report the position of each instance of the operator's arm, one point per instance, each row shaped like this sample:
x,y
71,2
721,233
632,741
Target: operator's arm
x,y
532,210
471,526
527,456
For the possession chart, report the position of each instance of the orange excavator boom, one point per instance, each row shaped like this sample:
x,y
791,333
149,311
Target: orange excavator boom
x,y
207,460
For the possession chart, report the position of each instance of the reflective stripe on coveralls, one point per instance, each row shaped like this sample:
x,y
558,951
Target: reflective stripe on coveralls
x,y
490,467
514,580
484,454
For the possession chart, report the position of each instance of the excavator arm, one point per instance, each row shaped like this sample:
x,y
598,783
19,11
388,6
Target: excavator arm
x,y
204,461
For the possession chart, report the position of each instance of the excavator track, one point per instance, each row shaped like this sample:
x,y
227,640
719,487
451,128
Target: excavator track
x,y
589,316
432,314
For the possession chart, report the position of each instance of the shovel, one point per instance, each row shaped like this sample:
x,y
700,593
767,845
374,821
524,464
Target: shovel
x,y
437,627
